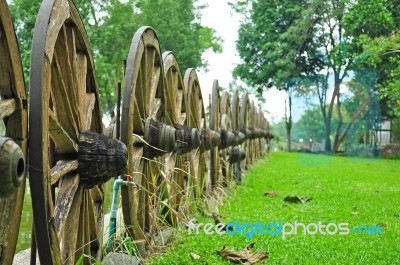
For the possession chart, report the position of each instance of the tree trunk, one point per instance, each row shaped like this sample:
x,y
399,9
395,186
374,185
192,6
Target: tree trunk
x,y
289,123
336,142
328,146
288,133
357,115
336,91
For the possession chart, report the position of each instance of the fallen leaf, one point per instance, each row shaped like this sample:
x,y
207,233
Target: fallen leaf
x,y
246,256
195,256
355,213
382,224
271,194
297,199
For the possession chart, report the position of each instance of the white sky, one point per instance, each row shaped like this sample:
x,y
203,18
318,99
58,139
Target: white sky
x,y
220,17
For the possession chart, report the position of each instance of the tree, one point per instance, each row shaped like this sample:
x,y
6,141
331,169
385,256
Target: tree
x,y
311,125
314,46
179,30
24,14
377,45
272,44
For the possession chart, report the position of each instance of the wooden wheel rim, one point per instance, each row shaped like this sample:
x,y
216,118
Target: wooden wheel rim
x,y
215,122
175,104
253,124
64,102
143,97
226,124
14,113
261,125
244,123
195,119
235,111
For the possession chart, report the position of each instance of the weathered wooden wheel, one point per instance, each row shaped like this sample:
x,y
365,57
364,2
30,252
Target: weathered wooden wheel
x,y
254,139
13,136
254,125
187,139
65,180
244,125
195,118
261,124
226,133
146,137
215,125
235,115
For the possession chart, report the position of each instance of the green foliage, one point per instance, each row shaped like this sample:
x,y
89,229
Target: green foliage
x,y
281,41
179,30
24,14
353,190
310,125
272,43
377,45
110,26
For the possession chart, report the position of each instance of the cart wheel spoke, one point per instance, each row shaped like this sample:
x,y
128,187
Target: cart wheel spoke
x,y
65,112
67,188
62,168
7,107
62,140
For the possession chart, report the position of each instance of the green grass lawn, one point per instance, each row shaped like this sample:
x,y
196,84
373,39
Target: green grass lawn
x,y
343,190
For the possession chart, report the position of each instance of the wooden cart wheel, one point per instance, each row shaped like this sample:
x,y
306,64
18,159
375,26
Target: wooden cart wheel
x,y
245,124
267,136
13,124
226,124
262,127
253,125
254,119
235,116
215,125
174,169
68,214
197,178
143,101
